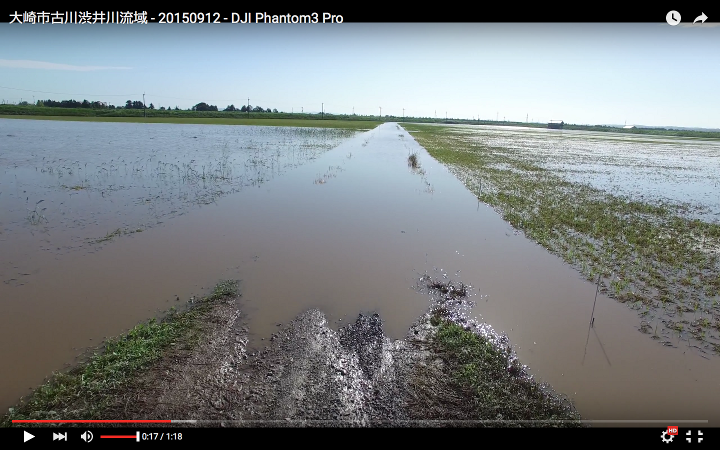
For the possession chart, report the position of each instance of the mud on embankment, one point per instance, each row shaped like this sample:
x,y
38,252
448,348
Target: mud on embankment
x,y
447,371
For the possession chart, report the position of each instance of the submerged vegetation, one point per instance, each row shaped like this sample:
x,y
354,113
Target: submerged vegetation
x,y
114,193
653,255
113,234
88,389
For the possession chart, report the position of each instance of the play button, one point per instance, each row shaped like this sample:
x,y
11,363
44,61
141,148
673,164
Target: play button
x,y
27,436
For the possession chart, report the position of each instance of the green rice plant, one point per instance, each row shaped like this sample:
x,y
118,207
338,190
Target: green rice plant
x,y
36,217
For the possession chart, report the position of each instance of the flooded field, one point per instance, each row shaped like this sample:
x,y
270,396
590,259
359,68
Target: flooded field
x,y
65,187
324,219
683,171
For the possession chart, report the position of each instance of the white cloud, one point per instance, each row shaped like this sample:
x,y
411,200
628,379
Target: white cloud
x,y
28,64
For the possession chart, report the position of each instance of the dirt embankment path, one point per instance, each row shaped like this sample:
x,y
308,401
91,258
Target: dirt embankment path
x,y
311,375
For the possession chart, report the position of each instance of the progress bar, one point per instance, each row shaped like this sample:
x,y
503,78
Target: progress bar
x,y
98,421
135,436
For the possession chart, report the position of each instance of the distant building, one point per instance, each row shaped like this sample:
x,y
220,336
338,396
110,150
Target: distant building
x,y
556,124
629,127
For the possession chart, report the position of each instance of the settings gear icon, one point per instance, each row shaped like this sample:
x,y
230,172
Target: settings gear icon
x,y
666,440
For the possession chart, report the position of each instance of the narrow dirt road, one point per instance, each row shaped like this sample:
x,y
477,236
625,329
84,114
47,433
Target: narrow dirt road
x,y
309,375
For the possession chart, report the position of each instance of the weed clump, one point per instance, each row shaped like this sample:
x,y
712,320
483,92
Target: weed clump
x,y
413,161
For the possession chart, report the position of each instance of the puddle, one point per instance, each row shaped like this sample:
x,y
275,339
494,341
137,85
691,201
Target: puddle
x,y
358,241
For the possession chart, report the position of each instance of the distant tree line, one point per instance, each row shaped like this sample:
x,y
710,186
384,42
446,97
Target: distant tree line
x,y
136,104
245,108
74,104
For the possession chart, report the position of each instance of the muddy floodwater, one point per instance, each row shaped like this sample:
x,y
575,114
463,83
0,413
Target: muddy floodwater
x,y
104,225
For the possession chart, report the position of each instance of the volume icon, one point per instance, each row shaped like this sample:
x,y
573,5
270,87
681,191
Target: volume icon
x,y
87,436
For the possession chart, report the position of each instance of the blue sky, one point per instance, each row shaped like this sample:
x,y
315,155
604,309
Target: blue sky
x,y
649,74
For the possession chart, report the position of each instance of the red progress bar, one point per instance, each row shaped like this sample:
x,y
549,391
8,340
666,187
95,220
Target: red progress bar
x,y
92,421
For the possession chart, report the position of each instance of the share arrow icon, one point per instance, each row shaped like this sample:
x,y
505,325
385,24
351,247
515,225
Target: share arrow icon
x,y
702,18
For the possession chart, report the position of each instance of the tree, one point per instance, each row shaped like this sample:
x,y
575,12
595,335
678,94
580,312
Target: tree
x,y
275,110
151,106
128,104
162,108
268,110
244,108
176,108
258,109
202,106
230,108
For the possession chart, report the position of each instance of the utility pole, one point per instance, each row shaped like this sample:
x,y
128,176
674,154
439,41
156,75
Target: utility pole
x,y
322,110
353,110
526,117
144,109
381,112
403,114
248,108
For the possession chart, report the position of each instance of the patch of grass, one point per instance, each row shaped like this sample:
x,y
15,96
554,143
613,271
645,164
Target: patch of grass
x,y
84,391
492,384
653,253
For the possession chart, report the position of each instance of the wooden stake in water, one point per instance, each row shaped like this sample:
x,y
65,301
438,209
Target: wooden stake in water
x,y
597,288
592,320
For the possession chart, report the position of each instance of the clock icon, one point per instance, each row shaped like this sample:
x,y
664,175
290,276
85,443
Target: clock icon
x,y
673,18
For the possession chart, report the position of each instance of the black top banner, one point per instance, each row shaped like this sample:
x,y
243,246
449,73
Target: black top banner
x,y
671,13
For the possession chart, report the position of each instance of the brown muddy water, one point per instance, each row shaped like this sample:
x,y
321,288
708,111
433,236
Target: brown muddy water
x,y
305,219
